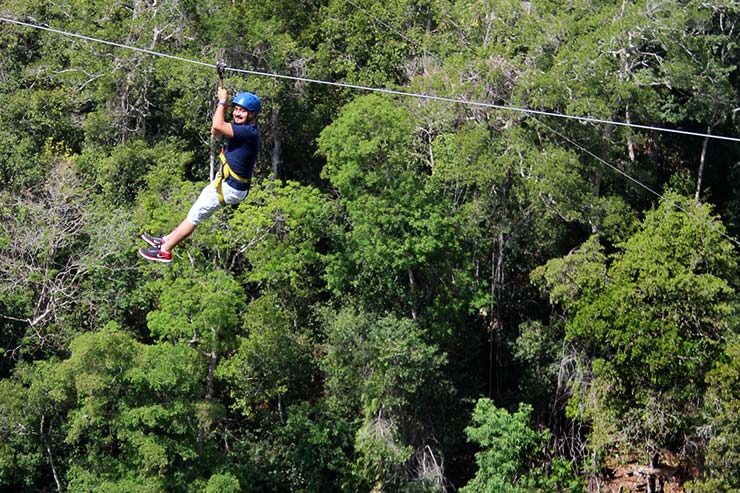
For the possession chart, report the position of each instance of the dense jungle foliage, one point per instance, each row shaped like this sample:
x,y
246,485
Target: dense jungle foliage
x,y
417,295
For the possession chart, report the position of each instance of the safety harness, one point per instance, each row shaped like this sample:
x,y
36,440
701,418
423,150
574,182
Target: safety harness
x,y
224,175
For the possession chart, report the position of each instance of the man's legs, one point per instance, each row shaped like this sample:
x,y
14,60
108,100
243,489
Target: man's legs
x,y
178,234
201,210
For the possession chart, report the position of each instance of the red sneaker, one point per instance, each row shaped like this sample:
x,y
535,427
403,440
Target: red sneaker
x,y
156,255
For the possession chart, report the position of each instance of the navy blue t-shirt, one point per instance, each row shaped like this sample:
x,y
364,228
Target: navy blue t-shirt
x,y
241,153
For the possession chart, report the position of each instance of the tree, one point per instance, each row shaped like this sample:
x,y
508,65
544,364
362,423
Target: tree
x,y
699,70
223,483
511,455
116,415
722,408
398,234
281,233
387,379
44,250
33,404
330,333
204,311
356,41
651,320
272,365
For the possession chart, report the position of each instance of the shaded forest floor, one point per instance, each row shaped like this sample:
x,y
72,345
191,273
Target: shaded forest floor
x,y
632,477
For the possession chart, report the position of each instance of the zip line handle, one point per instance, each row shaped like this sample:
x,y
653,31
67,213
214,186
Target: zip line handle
x,y
220,66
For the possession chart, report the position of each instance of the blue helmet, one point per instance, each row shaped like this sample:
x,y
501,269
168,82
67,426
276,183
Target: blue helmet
x,y
248,101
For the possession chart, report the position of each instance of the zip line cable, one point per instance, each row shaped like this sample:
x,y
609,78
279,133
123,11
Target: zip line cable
x,y
529,112
584,119
689,213
564,137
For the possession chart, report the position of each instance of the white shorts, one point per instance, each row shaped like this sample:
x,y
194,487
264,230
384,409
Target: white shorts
x,y
208,203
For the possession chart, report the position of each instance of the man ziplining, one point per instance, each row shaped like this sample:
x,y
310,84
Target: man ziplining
x,y
231,185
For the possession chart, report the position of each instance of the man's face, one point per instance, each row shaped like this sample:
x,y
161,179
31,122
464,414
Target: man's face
x,y
239,114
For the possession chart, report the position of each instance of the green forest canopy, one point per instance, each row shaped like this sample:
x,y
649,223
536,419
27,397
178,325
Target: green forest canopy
x,y
417,295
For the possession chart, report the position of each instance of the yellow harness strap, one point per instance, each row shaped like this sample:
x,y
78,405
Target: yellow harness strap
x,y
225,172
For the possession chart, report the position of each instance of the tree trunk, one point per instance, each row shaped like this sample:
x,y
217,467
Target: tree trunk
x,y
212,361
277,142
630,143
499,304
51,458
280,407
702,160
651,477
596,189
412,288
496,326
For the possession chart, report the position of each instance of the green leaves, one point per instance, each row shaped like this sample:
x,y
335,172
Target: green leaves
x,y
652,318
119,410
202,308
378,363
368,148
574,277
325,335
511,459
396,229
382,372
272,364
223,483
722,408
281,230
